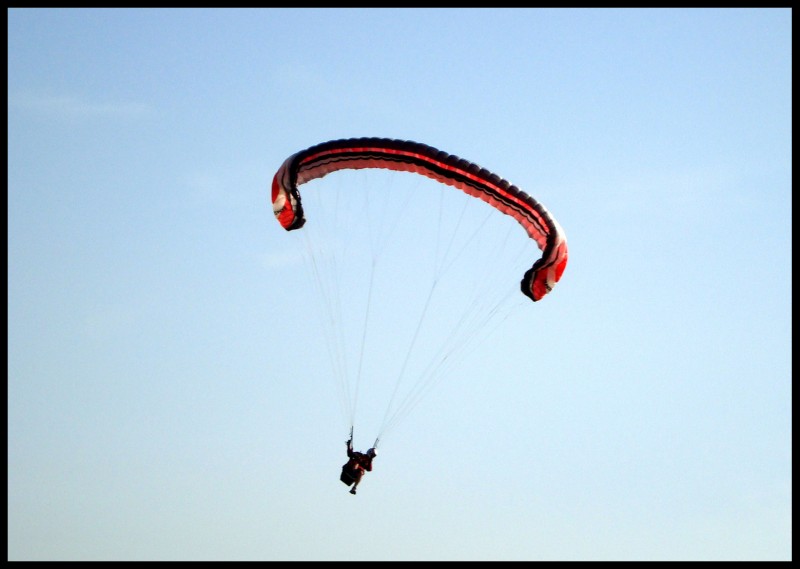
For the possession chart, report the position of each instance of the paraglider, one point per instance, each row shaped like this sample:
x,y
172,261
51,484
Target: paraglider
x,y
357,154
357,464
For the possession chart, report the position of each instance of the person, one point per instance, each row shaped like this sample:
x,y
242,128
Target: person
x,y
358,463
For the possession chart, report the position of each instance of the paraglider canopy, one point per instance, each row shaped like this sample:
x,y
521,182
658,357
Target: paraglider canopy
x,y
358,153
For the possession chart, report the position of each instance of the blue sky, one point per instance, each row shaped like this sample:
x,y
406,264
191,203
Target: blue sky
x,y
170,394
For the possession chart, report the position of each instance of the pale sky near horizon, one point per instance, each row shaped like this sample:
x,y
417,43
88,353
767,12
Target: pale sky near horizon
x,y
169,391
